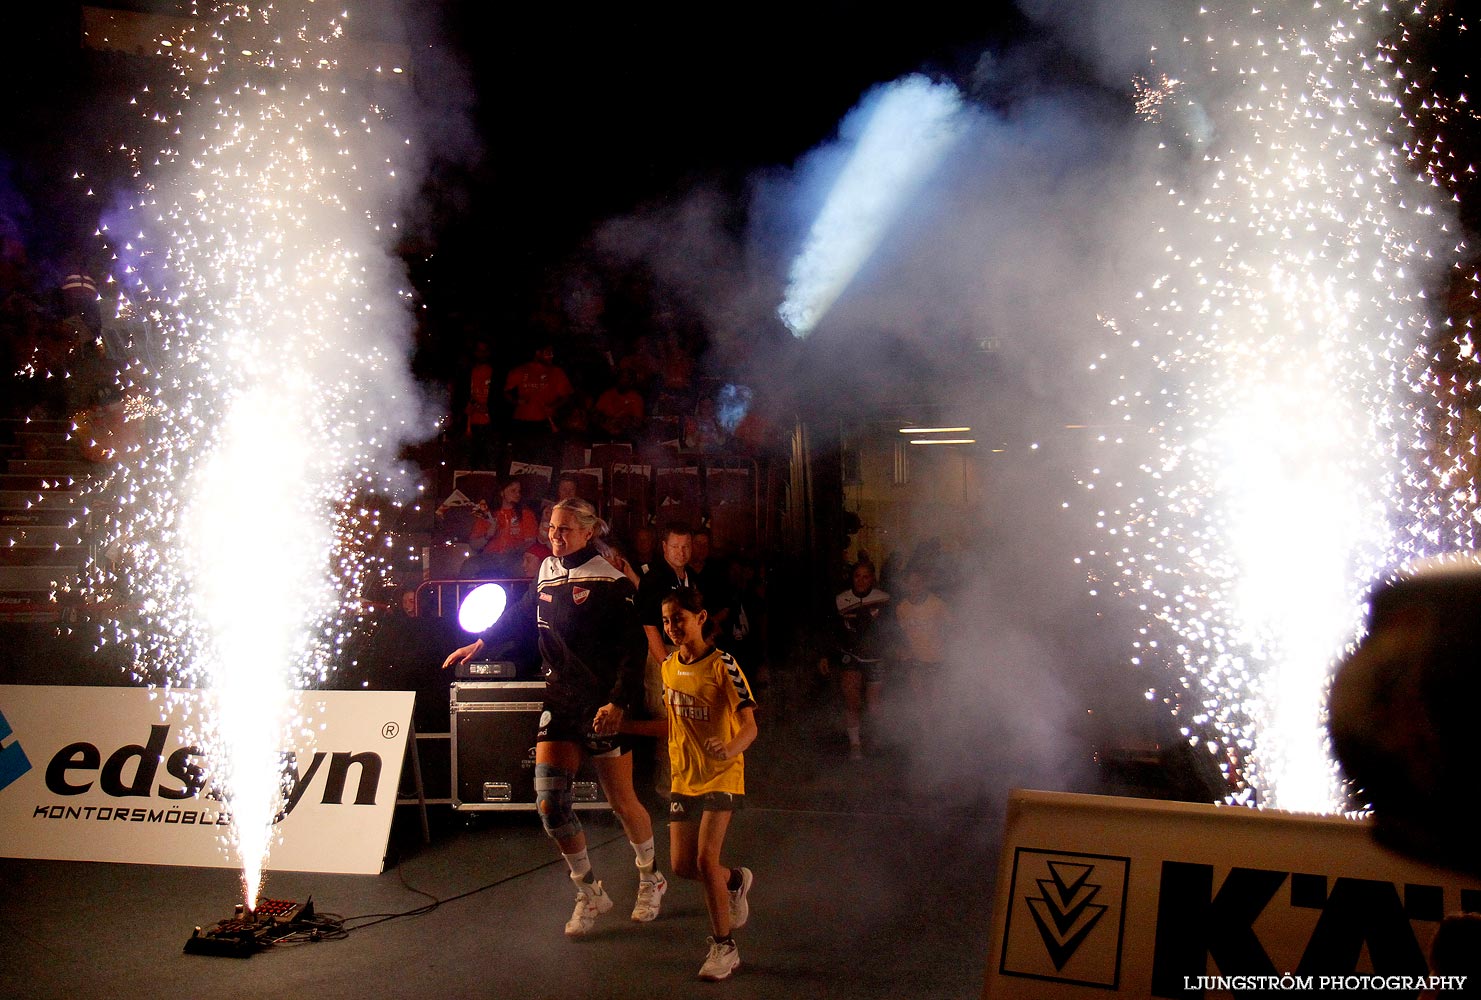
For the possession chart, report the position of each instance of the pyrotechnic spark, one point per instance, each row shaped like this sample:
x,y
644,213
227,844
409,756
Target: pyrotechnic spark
x,y
898,135
1152,95
256,248
1272,383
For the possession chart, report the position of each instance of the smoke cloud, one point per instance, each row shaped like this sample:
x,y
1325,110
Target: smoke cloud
x,y
1214,180
1023,232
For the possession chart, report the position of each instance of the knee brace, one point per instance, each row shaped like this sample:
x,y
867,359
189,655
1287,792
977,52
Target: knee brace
x,y
554,801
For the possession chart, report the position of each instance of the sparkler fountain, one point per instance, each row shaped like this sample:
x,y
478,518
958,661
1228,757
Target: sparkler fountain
x,y
1273,384
257,246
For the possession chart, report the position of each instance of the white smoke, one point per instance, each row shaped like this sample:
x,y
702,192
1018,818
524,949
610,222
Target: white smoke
x,y
1058,214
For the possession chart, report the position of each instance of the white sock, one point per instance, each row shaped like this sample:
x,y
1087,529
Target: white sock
x,y
580,866
854,739
644,861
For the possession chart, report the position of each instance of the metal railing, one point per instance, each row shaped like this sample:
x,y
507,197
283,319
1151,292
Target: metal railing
x,y
442,598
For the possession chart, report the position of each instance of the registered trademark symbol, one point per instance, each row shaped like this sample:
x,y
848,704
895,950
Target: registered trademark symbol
x,y
390,730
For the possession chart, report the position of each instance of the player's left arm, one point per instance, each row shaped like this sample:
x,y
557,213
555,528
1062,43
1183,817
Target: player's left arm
x,y
738,743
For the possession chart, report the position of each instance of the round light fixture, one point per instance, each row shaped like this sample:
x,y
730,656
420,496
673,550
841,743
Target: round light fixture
x,y
482,607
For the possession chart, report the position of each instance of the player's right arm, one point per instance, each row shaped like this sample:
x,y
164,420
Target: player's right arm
x,y
463,653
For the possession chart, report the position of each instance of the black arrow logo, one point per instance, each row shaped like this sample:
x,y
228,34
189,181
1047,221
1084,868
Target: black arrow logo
x,y
1065,912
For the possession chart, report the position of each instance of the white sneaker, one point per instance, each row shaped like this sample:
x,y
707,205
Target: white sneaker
x,y
650,894
740,910
722,960
591,902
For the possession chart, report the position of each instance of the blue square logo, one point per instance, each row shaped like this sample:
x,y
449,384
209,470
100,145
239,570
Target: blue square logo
x,y
13,760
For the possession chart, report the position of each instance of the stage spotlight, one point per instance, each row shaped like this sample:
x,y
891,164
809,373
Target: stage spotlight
x,y
482,607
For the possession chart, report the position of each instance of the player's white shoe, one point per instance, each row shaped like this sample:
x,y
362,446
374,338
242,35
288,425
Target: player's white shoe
x,y
740,910
650,895
722,960
591,902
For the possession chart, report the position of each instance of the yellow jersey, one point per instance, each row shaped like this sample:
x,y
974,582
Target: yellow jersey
x,y
704,699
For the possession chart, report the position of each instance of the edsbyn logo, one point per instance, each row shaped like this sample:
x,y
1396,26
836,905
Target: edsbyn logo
x,y
13,760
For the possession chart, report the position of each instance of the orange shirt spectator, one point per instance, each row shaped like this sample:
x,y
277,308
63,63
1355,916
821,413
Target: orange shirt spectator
x,y
511,528
480,385
619,410
537,388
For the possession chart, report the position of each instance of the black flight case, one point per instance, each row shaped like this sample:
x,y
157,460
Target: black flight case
x,y
493,726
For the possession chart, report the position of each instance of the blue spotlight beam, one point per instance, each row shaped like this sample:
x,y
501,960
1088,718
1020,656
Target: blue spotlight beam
x,y
911,126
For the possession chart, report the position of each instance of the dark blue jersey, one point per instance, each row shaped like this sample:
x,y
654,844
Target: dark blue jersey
x,y
591,645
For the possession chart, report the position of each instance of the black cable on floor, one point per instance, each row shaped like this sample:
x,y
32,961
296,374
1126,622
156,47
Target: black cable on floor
x,y
334,927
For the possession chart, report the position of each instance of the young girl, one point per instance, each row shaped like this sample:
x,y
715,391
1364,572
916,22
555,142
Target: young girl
x,y
711,721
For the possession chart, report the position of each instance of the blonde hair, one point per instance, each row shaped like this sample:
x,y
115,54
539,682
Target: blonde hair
x,y
586,516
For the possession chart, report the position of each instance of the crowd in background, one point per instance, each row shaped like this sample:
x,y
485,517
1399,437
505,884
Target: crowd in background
x,y
526,406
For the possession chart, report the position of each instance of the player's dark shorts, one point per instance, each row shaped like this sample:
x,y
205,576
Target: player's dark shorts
x,y
873,670
560,724
688,808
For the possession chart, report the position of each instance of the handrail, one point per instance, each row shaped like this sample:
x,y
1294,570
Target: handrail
x,y
435,603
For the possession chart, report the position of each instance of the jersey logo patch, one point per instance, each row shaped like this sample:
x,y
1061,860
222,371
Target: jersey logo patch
x,y
545,596
580,594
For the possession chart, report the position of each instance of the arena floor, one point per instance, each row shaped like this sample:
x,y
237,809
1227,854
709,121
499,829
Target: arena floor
x,y
862,889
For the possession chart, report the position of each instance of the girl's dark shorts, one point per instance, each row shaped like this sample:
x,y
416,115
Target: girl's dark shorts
x,y
688,808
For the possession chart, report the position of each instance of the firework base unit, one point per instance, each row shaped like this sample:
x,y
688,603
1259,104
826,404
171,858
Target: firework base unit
x,y
1102,896
493,725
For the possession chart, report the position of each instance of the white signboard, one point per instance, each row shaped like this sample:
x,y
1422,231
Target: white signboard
x,y
106,774
1099,895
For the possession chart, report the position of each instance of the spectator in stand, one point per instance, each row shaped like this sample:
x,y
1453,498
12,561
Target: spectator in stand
x,y
78,297
532,558
643,556
566,488
581,327
702,430
619,410
675,395
639,365
755,434
575,421
712,577
32,355
748,616
536,390
500,537
620,563
478,421
860,637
